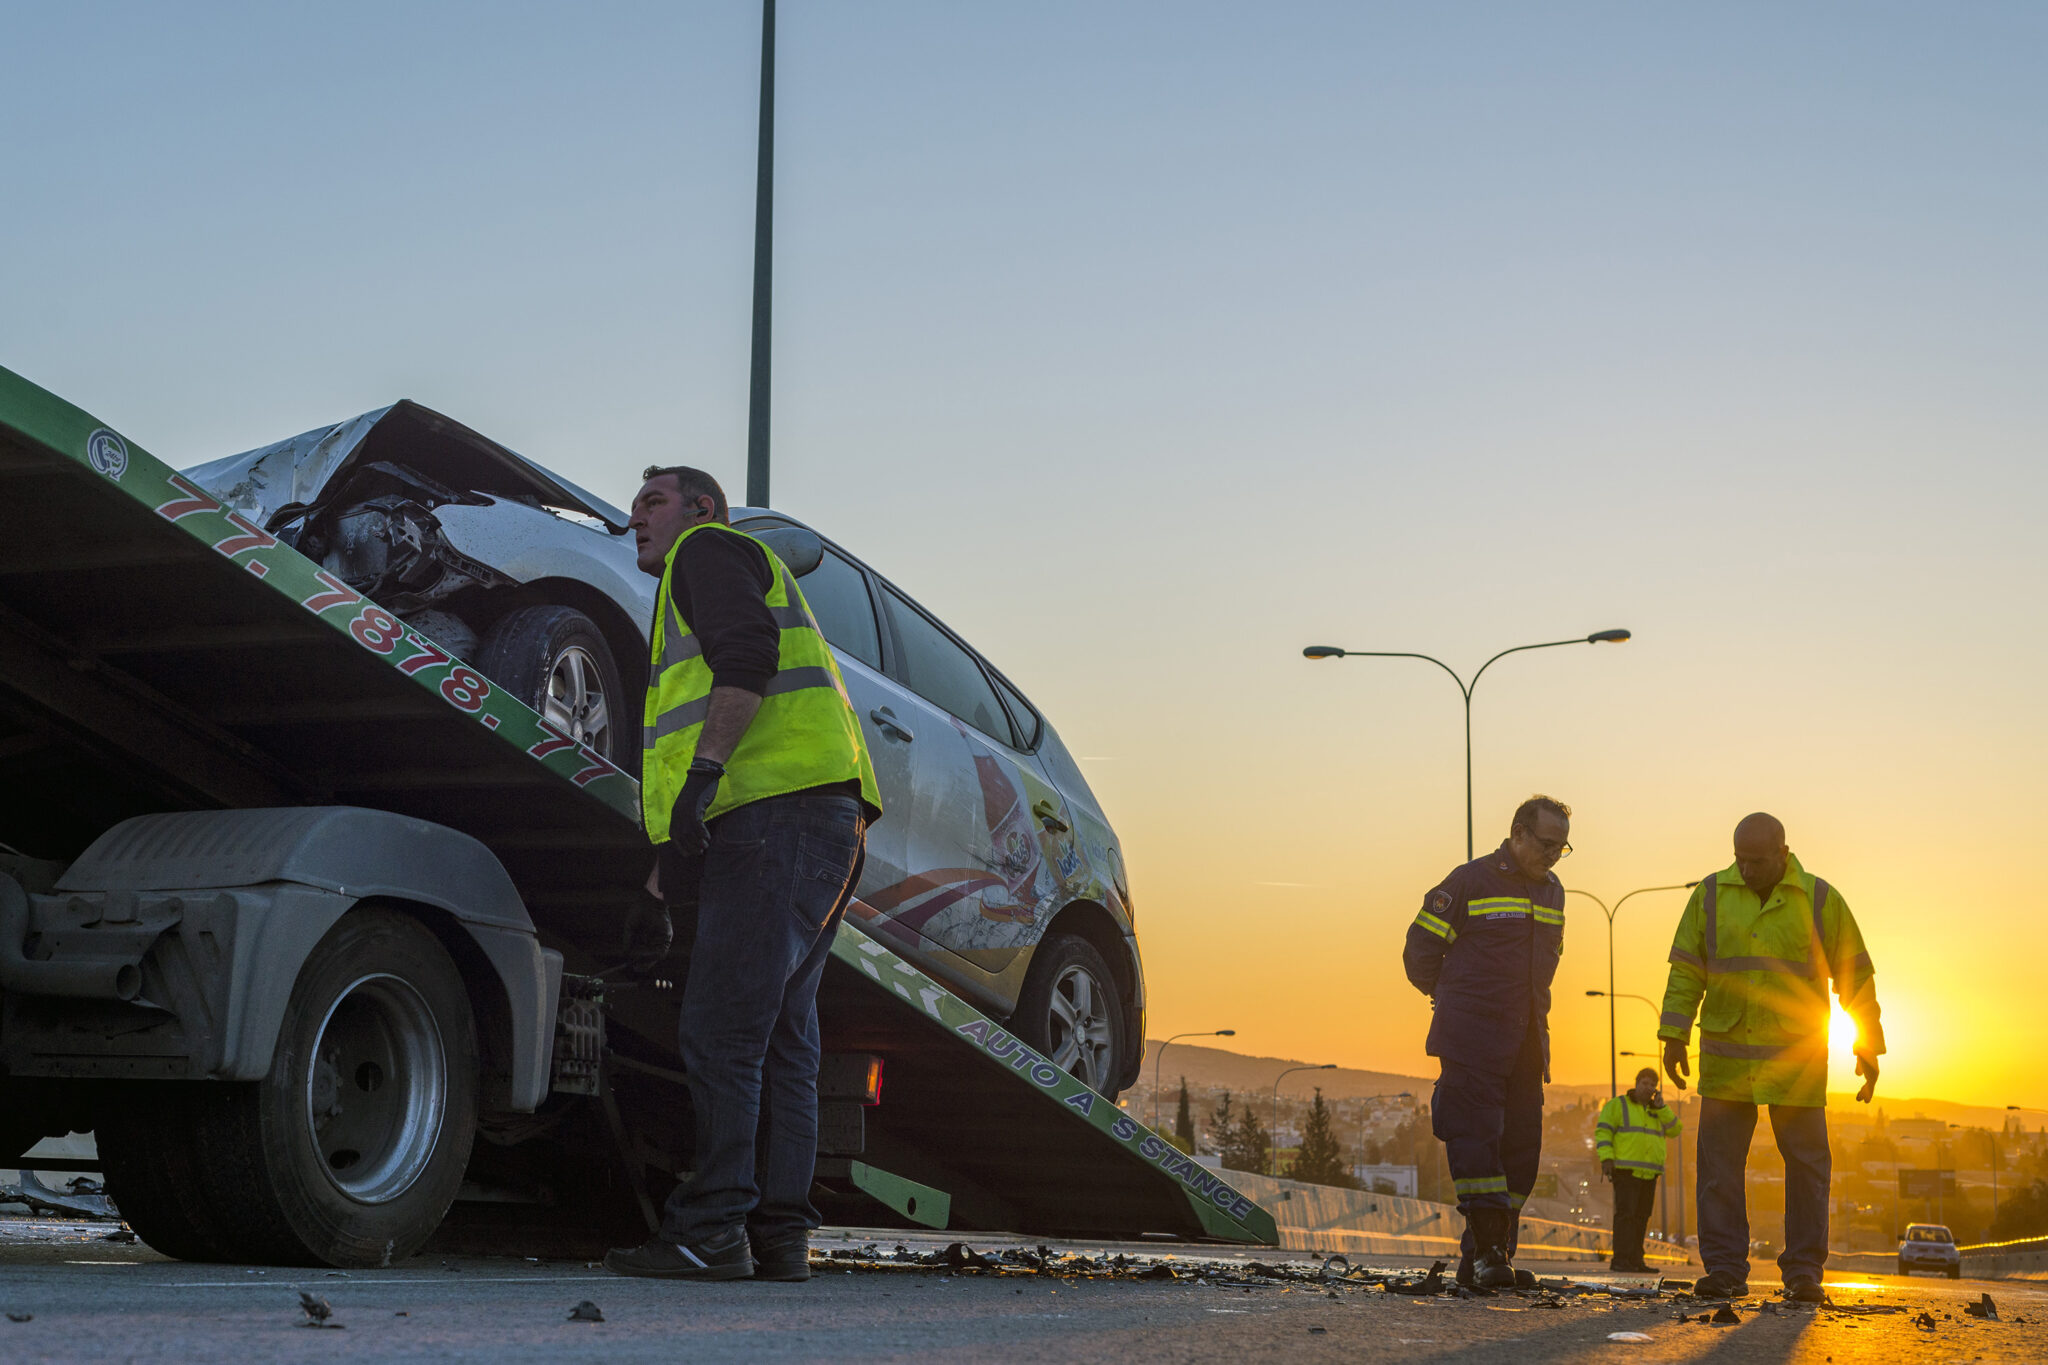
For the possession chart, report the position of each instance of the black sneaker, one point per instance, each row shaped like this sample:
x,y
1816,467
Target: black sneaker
x,y
723,1257
1719,1284
786,1259
1804,1289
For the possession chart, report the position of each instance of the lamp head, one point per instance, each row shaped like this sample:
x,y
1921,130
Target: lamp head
x,y
1226,1033
1596,992
1602,637
1323,652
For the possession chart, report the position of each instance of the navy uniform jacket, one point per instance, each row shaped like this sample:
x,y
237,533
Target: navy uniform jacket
x,y
1484,949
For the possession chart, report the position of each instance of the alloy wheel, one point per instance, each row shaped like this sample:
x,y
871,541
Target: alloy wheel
x,y
576,704
1081,1034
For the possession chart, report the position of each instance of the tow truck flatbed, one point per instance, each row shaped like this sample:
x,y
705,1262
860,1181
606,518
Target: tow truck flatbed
x,y
160,653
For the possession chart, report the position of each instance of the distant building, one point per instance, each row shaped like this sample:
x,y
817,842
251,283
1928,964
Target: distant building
x,y
1917,1129
1384,1179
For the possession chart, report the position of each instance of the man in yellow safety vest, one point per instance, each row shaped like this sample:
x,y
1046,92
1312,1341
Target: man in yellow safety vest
x,y
1628,1138
757,791
1755,950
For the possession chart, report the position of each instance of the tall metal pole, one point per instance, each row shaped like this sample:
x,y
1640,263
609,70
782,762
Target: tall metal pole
x,y
764,270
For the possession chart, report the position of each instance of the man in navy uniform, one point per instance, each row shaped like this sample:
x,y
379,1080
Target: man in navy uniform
x,y
1484,950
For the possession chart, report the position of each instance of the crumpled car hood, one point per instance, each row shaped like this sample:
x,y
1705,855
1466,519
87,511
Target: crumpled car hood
x,y
259,483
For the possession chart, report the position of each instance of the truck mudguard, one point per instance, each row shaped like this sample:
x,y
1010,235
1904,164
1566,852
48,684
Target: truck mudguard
x,y
293,872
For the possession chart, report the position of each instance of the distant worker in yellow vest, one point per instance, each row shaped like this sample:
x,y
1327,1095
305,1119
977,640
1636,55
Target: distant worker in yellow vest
x,y
1628,1138
1760,941
757,792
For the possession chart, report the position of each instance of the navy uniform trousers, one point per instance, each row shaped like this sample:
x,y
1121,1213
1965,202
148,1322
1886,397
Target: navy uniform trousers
x,y
1491,1126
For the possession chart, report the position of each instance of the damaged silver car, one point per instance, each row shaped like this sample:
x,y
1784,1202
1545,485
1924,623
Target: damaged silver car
x,y
500,561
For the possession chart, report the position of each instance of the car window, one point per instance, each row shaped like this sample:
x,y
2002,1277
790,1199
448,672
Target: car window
x,y
1025,718
941,672
838,596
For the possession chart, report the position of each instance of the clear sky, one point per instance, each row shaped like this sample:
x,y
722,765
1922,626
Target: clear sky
x,y
1149,343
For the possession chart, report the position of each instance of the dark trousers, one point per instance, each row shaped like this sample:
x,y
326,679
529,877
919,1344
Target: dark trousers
x,y
769,894
1491,1126
1802,1133
1635,1198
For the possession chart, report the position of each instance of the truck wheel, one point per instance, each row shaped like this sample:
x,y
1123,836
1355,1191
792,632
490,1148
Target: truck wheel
x,y
1070,1010
556,661
351,1150
146,1137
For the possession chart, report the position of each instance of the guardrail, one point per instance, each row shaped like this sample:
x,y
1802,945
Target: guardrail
x,y
1324,1218
2024,1258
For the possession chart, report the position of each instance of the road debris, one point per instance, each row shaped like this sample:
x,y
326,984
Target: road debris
x,y
1630,1336
1925,1320
1983,1308
1431,1283
1725,1316
21,1317
318,1311
586,1311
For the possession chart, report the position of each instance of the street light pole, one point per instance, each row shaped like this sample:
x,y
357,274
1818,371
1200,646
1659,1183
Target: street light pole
x,y
1464,688
764,270
1613,1073
1313,1066
1212,1033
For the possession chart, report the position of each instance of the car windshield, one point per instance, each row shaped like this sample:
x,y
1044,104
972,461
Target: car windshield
x,y
1928,1235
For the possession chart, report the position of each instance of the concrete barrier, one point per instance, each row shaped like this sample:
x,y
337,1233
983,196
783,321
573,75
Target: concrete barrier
x,y
2026,1259
1324,1218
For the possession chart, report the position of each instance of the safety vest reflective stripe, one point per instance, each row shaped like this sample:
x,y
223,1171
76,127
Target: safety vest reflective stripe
x,y
1673,1019
695,712
1438,926
1680,955
1516,1200
680,646
1488,906
1484,1184
1546,915
1722,966
1654,1167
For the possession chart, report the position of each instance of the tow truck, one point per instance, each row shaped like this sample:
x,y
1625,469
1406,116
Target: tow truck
x,y
316,930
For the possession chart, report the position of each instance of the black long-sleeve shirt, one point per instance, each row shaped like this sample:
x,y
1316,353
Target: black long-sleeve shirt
x,y
720,585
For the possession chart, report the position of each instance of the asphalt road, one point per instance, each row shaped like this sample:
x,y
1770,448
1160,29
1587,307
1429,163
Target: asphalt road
x,y
90,1299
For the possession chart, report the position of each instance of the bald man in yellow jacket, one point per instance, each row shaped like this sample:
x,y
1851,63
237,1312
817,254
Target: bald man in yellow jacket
x,y
1756,947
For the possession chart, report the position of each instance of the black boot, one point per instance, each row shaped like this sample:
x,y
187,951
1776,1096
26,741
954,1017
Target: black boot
x,y
1491,1268
1523,1279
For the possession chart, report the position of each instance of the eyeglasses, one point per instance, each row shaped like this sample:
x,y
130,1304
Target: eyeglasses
x,y
1556,848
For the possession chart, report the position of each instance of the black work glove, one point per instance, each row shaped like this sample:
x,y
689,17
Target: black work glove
x,y
649,934
686,822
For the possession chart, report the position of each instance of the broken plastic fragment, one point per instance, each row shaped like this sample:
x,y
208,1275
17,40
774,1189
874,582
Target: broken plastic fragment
x,y
585,1311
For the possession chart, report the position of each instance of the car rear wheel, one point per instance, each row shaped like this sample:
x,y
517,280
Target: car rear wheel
x,y
1904,1269
555,660
1071,1010
1955,1272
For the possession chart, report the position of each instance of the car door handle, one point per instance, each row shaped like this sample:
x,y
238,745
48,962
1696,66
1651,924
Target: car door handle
x,y
885,721
1049,817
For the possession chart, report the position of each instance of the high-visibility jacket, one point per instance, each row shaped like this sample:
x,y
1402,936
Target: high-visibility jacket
x,y
1632,1135
1757,970
1485,949
806,733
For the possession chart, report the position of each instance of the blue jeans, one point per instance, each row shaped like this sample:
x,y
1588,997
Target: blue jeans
x,y
1726,1127
769,893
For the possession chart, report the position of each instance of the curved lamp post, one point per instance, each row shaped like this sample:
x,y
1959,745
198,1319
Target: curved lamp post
x,y
1212,1033
1613,1080
1598,637
1313,1066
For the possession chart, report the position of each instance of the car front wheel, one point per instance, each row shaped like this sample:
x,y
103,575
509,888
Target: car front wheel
x,y
1072,1011
555,660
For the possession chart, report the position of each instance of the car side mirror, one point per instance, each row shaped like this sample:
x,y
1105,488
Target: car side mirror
x,y
800,549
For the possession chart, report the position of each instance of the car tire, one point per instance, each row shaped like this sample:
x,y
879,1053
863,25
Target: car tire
x,y
349,1153
1071,1011
555,660
1903,1269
